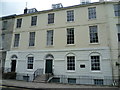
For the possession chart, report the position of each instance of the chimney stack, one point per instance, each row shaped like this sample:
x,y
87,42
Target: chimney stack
x,y
25,10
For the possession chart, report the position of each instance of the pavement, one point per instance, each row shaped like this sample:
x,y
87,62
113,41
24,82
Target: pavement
x,y
34,85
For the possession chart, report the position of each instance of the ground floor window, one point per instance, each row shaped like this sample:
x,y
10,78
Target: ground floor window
x,y
30,62
98,81
95,63
55,79
70,62
72,80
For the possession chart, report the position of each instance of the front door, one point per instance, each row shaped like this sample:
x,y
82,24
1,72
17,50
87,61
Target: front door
x,y
13,65
48,68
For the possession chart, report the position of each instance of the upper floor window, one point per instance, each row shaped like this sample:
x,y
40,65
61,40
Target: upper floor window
x,y
92,13
117,9
32,39
70,15
118,28
93,34
33,20
3,37
50,18
71,63
30,63
16,40
19,22
95,63
49,37
4,25
70,35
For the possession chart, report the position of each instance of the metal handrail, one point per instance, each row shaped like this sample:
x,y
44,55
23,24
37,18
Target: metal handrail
x,y
6,70
37,72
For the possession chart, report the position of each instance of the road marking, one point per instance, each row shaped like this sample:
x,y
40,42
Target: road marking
x,y
12,87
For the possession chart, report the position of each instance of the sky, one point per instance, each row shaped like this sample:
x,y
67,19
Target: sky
x,y
9,7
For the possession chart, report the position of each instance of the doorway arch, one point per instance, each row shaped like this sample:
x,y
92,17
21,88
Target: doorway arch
x,y
49,63
13,63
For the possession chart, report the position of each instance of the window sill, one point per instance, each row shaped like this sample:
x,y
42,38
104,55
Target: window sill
x,y
69,45
15,47
18,27
50,24
117,16
49,46
29,47
94,43
96,72
30,70
70,71
33,26
70,22
92,19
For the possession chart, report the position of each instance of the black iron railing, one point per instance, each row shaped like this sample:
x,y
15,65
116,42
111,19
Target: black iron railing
x,y
86,80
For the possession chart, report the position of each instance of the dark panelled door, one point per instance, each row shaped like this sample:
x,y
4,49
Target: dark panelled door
x,y
13,65
48,68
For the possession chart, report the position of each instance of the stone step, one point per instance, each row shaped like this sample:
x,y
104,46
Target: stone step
x,y
42,78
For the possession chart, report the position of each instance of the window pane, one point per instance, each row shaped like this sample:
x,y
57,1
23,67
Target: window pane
x,y
50,37
32,39
19,22
16,40
117,9
72,80
70,15
4,25
50,18
93,34
33,20
30,62
70,62
92,12
95,63
98,81
70,36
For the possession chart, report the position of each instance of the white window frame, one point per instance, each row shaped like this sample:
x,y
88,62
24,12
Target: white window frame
x,y
33,20
70,55
96,54
4,25
70,16
70,41
32,63
16,40
117,9
51,18
93,34
32,39
19,23
92,13
118,30
50,38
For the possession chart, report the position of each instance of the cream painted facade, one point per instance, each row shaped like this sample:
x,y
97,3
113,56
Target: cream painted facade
x,y
82,49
